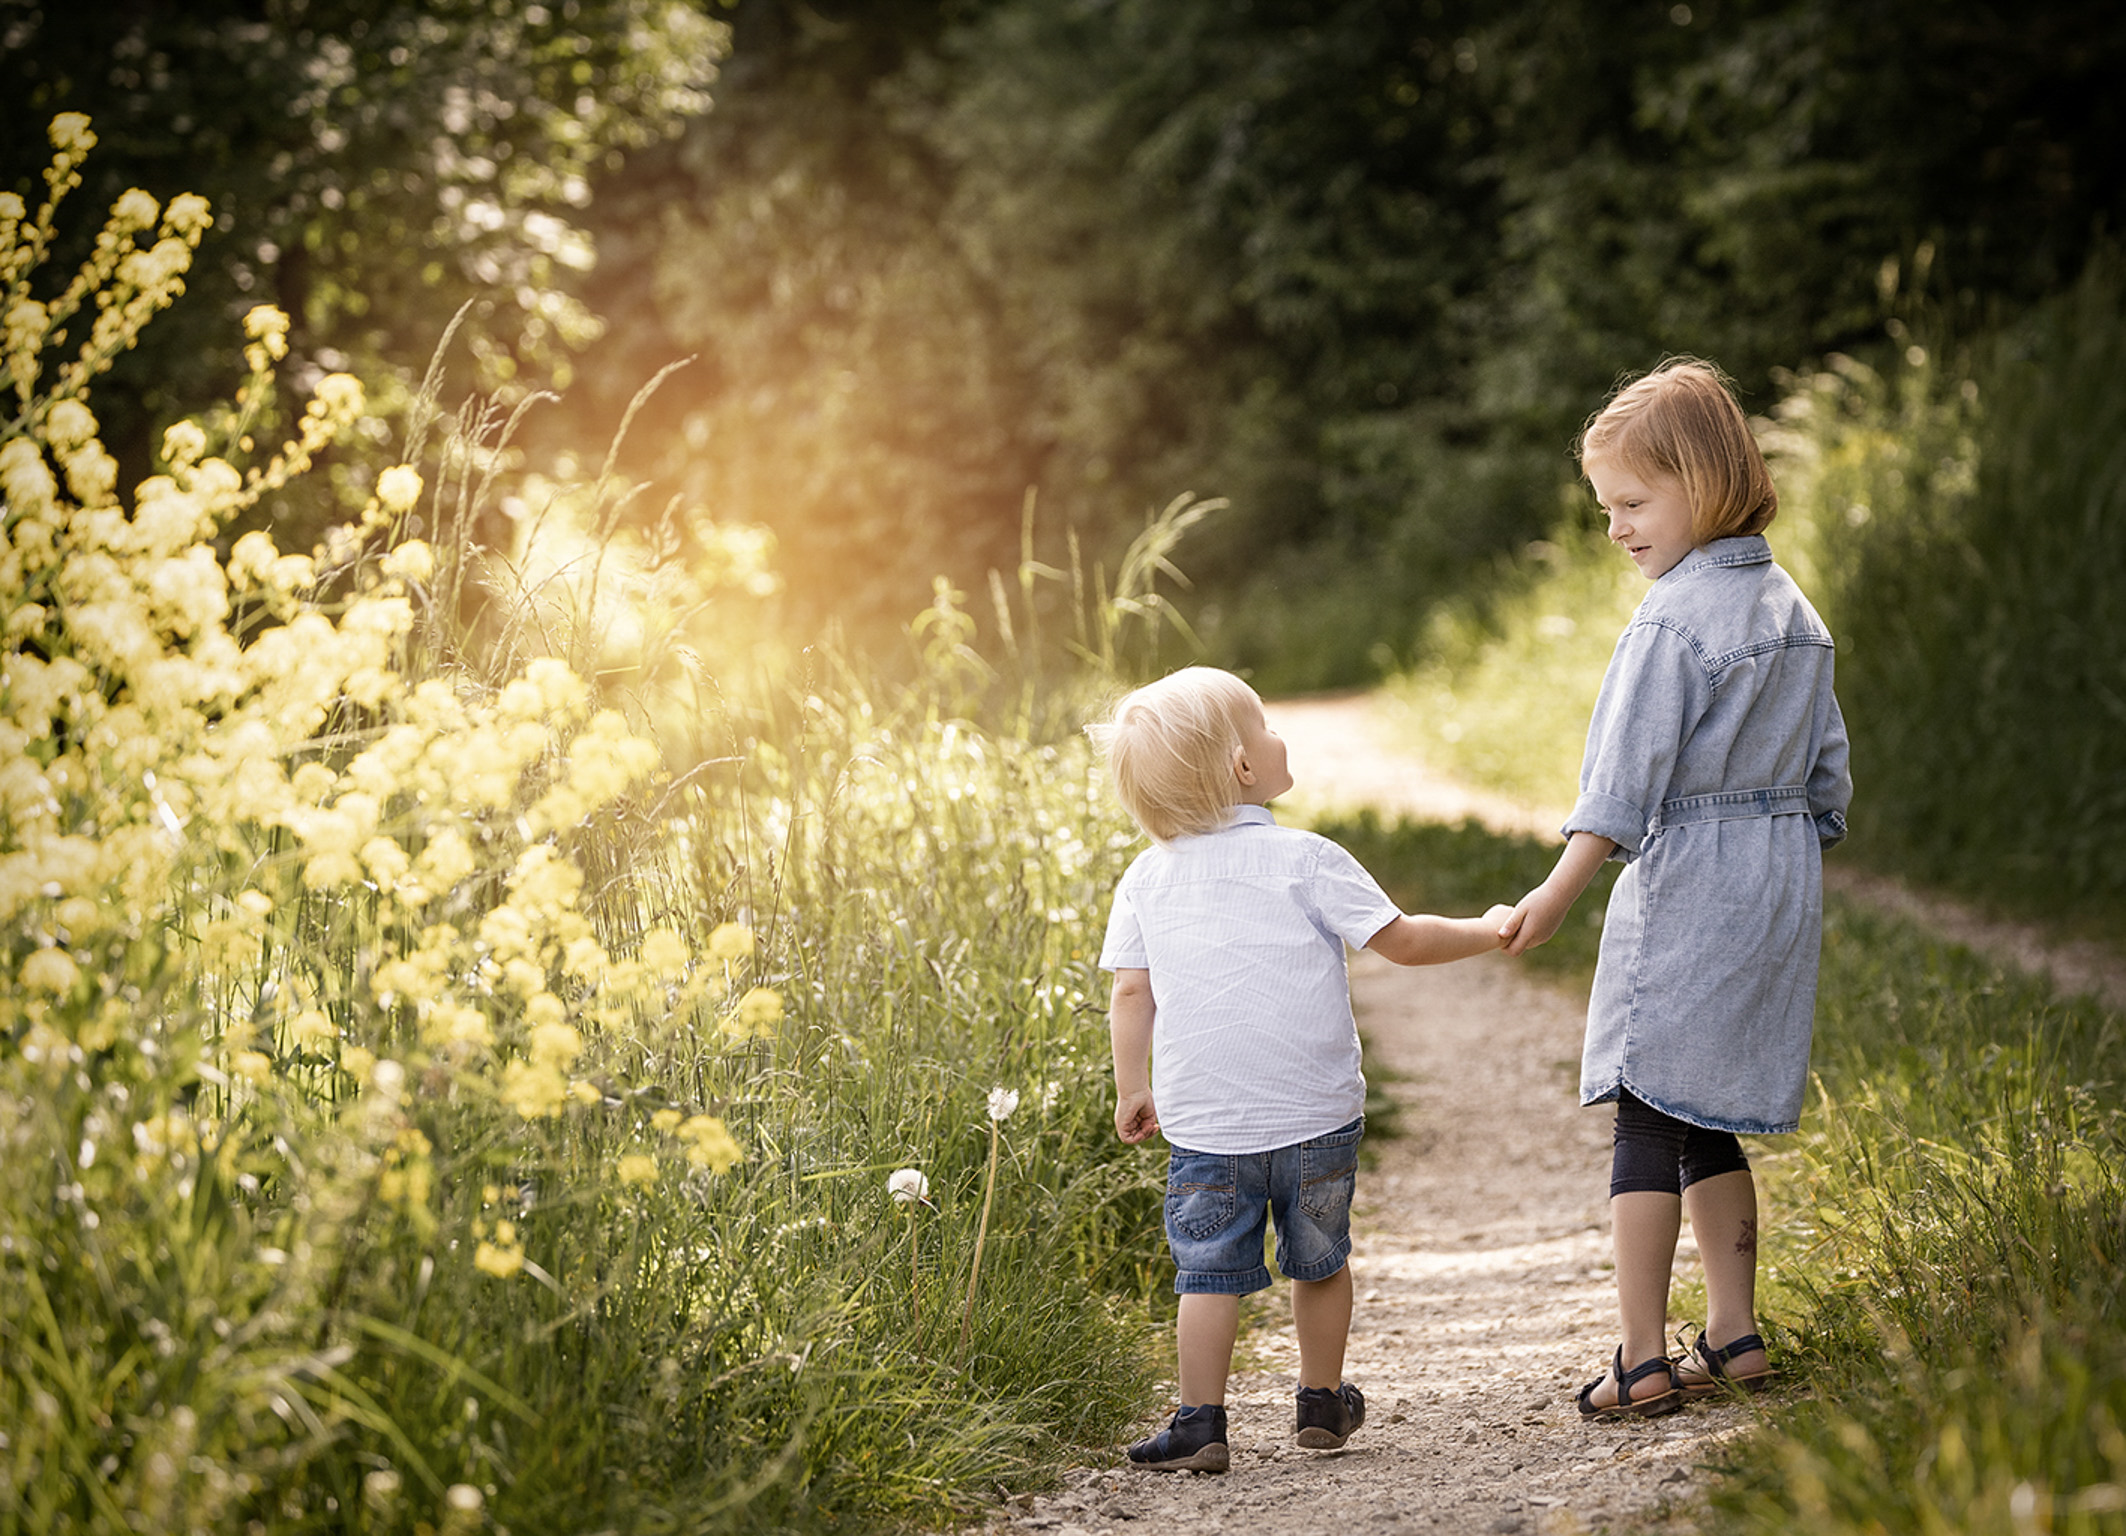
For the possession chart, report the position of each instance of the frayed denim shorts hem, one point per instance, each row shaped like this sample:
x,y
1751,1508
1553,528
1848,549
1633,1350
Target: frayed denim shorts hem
x,y
1219,1205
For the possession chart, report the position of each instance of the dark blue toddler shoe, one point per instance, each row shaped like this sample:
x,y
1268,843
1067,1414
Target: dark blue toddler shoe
x,y
1328,1415
1193,1441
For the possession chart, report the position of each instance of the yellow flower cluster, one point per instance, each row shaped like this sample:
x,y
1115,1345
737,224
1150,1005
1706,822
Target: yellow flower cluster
x,y
708,1141
407,1177
235,754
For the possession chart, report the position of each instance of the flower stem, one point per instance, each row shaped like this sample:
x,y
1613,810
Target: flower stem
x,y
981,1235
915,1280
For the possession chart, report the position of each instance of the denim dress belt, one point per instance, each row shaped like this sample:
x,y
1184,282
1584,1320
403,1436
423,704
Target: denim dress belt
x,y
1732,805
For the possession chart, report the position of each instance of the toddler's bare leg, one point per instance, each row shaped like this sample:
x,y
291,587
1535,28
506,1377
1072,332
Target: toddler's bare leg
x,y
1723,1217
1204,1332
1645,1224
1321,1315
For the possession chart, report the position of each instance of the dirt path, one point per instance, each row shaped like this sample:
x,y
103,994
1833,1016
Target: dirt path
x,y
1481,1254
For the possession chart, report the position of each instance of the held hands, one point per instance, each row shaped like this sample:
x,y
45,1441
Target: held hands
x,y
1136,1117
1534,921
1498,920
1542,911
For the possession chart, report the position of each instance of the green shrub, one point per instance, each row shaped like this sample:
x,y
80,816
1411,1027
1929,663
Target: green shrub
x,y
1976,567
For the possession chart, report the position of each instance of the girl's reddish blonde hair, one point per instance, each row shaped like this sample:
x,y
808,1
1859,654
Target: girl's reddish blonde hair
x,y
1681,421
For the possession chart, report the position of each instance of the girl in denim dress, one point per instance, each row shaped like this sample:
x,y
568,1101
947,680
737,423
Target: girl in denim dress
x,y
1716,771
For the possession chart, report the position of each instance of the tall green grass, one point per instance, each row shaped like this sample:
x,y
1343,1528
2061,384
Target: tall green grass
x,y
1977,574
1948,1250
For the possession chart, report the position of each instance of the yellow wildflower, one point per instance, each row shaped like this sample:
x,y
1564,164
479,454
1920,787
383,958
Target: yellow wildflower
x,y
454,1025
709,1144
666,1119
545,881
251,1066
637,1168
70,133
524,977
731,941
446,860
183,445
386,861
554,1044
50,970
398,488
564,693
665,953
535,1092
70,424
412,560
340,394
310,1027
265,320
502,1263
758,1012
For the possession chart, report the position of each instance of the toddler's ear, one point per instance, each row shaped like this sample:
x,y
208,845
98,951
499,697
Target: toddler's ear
x,y
1242,769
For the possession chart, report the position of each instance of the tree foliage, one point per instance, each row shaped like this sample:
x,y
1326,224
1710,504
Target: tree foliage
x,y
370,166
1360,266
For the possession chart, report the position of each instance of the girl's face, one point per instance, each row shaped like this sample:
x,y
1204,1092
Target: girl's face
x,y
1649,516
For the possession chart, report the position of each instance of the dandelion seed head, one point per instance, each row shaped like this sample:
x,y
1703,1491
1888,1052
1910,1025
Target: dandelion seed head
x,y
1002,1103
908,1186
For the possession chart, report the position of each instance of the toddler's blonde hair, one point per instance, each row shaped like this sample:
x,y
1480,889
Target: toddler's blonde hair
x,y
1681,421
1171,746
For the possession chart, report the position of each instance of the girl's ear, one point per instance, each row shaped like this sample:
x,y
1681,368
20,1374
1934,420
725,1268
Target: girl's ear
x,y
1242,769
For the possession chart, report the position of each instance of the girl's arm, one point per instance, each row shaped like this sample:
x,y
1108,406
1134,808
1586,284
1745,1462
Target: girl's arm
x,y
1423,939
1544,908
1129,1027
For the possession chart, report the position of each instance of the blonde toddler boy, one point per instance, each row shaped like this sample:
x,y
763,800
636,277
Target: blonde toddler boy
x,y
1233,1035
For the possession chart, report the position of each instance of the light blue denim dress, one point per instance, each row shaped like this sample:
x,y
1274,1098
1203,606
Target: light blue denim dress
x,y
1716,760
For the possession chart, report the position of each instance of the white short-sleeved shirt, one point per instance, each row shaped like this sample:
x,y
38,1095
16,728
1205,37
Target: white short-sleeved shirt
x,y
1243,930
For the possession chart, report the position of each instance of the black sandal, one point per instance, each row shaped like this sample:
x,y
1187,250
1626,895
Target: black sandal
x,y
1713,1360
1641,1407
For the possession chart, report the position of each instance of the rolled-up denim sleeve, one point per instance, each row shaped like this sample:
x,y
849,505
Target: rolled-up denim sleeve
x,y
1831,777
1656,689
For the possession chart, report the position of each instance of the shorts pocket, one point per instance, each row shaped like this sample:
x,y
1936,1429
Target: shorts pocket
x,y
1202,1193
1328,1172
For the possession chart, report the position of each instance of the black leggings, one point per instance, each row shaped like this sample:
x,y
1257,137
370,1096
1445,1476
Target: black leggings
x,y
1659,1153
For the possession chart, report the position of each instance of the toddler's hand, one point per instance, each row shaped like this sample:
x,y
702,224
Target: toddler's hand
x,y
1498,919
1136,1118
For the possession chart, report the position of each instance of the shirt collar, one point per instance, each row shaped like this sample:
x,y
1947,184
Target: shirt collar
x,y
1250,815
1743,549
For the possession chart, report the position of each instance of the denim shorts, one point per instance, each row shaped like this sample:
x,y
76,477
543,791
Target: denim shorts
x,y
1216,1204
